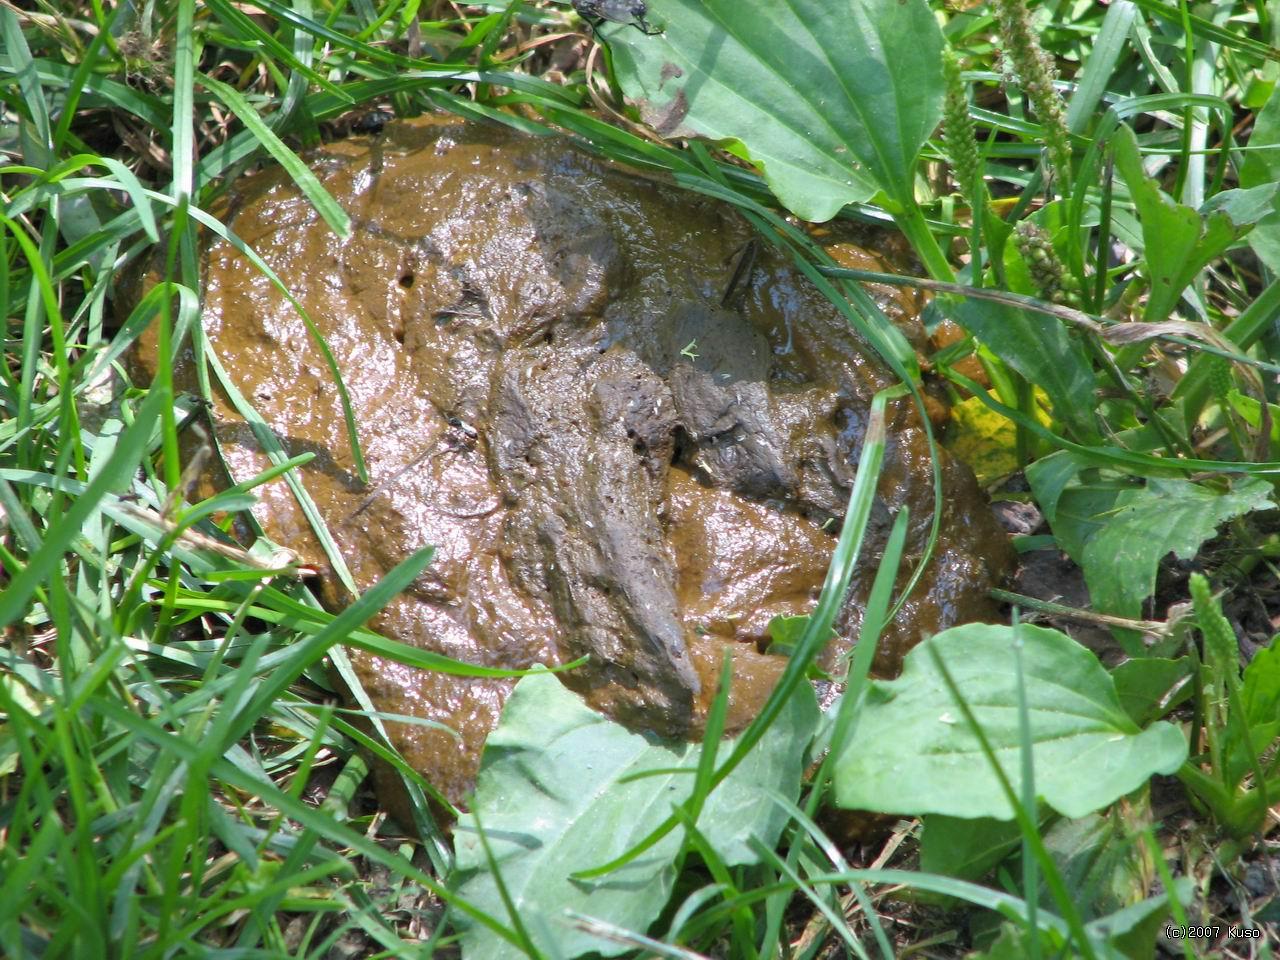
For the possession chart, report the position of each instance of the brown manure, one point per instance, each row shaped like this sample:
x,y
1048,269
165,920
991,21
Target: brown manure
x,y
627,430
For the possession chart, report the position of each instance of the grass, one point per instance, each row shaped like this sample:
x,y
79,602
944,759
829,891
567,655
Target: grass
x,y
178,776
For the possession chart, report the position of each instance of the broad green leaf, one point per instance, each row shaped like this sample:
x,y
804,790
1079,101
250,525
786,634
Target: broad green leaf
x,y
1130,931
1242,207
1118,531
1260,699
1166,516
1014,942
1177,241
1262,167
1083,510
965,848
1105,865
1251,410
787,630
1261,688
1049,477
1102,858
1143,684
554,797
1118,936
1039,348
914,753
832,101
785,634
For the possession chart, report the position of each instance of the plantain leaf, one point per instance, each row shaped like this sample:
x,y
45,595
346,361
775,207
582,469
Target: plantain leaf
x,y
1262,167
1178,242
562,788
832,101
914,753
1150,687
965,848
1143,524
1119,530
1102,865
1252,734
1261,689
983,440
1251,410
1039,348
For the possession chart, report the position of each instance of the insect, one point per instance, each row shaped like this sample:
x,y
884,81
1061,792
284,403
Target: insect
x,y
596,12
372,122
462,435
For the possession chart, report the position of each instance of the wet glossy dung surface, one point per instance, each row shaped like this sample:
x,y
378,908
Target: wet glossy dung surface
x,y
627,433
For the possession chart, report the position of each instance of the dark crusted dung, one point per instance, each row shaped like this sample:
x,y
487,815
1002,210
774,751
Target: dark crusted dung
x,y
621,442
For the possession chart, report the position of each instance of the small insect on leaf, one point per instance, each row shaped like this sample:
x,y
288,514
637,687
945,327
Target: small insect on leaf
x,y
634,12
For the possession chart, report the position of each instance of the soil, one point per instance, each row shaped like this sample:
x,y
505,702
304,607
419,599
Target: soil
x,y
628,429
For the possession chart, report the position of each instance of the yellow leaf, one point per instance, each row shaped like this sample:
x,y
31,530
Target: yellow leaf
x,y
984,440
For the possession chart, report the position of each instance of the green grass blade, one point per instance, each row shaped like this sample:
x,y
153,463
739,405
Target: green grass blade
x,y
39,151
115,474
1207,30
300,173
137,196
832,852
75,88
184,112
294,101
1110,42
255,36
834,920
275,451
524,941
